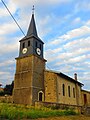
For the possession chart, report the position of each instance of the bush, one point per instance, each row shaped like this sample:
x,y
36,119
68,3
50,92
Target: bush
x,y
56,107
2,93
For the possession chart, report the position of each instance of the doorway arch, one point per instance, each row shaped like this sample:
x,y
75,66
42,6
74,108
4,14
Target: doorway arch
x,y
40,96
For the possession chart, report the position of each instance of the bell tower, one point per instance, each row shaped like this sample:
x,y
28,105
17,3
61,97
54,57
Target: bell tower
x,y
31,43
30,66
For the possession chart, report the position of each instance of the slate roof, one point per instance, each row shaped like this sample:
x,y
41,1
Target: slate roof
x,y
32,31
66,77
32,28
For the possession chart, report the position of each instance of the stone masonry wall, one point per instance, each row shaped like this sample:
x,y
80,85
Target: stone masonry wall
x,y
23,81
88,97
65,99
50,86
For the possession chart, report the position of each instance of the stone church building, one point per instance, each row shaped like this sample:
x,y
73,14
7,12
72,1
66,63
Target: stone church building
x,y
34,83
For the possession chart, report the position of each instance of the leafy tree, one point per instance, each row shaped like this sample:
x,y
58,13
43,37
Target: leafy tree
x,y
8,89
2,93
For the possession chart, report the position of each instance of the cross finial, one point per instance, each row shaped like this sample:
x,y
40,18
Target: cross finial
x,y
33,9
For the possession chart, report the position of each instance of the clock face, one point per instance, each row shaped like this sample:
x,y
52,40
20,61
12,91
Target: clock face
x,y
24,50
38,51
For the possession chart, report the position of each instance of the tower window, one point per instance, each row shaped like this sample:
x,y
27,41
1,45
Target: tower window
x,y
36,44
23,46
74,92
69,91
63,88
40,46
28,43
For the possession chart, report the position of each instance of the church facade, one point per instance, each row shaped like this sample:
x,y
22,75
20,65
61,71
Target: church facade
x,y
34,83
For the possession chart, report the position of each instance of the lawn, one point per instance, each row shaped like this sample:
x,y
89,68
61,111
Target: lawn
x,y
13,111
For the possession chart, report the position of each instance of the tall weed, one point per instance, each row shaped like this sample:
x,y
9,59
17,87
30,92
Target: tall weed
x,y
13,112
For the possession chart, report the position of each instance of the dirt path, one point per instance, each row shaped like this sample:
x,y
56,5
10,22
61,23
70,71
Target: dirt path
x,y
67,118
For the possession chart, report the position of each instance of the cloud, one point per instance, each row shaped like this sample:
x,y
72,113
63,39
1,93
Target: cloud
x,y
77,59
8,28
79,32
46,20
76,21
2,73
75,33
82,45
5,75
83,6
8,48
2,38
38,2
72,52
6,78
7,63
88,23
11,6
84,30
8,70
3,12
85,78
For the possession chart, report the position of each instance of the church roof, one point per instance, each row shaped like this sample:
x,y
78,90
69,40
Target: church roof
x,y
88,91
69,78
66,77
32,28
32,31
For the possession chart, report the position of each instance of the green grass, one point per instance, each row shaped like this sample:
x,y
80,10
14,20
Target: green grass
x,y
13,111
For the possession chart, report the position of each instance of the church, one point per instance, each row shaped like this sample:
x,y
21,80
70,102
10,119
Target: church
x,y
33,82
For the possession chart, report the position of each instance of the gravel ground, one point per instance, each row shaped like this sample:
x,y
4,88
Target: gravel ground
x,y
81,117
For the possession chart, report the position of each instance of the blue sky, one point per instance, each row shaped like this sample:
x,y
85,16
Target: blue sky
x,y
63,25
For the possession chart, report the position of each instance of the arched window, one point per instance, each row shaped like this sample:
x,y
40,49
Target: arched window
x,y
40,96
23,45
40,46
63,88
69,91
36,44
28,43
74,92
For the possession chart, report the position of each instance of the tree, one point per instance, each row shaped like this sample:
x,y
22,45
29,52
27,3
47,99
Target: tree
x,y
8,89
1,93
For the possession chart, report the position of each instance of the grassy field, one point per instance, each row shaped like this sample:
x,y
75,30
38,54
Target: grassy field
x,y
79,117
17,112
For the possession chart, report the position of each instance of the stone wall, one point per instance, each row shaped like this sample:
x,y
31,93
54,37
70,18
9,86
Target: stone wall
x,y
6,99
66,99
58,106
50,86
29,79
87,93
38,78
23,81
54,90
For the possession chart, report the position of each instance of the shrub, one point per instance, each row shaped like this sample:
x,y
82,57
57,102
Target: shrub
x,y
56,107
2,93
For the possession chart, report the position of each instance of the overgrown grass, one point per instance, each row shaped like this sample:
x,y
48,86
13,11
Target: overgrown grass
x,y
17,112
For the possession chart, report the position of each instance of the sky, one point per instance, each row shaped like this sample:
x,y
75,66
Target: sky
x,y
64,27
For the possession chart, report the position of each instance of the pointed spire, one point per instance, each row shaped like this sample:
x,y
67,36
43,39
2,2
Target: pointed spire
x,y
32,27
